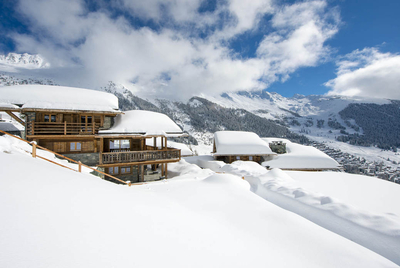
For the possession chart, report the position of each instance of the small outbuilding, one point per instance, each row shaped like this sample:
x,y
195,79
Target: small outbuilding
x,y
230,146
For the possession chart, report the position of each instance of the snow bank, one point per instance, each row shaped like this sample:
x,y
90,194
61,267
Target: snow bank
x,y
144,122
240,143
59,218
58,97
300,157
378,232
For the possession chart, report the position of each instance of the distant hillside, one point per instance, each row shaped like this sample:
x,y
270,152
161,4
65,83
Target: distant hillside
x,y
381,124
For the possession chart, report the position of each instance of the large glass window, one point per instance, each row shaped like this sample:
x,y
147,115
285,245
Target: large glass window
x,y
123,145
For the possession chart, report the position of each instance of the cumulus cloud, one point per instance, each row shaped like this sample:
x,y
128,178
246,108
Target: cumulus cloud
x,y
368,73
176,50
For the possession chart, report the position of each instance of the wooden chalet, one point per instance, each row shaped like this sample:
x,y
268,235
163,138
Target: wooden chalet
x,y
230,146
87,126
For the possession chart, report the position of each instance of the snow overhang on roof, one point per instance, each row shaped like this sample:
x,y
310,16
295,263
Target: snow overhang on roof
x,y
145,123
43,97
240,143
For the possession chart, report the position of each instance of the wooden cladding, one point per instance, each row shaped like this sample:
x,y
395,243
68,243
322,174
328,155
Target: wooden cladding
x,y
65,124
69,146
130,157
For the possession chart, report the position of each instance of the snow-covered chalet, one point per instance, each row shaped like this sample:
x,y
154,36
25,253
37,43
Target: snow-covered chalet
x,y
230,146
87,126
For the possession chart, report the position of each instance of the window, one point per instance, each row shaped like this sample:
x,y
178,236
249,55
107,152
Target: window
x,y
50,118
125,170
237,157
113,170
250,158
122,145
75,146
86,123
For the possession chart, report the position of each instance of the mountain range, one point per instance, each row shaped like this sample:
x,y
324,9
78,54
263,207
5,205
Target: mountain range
x,y
354,120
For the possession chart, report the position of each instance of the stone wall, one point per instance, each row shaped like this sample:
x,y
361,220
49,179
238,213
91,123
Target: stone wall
x,y
90,159
108,122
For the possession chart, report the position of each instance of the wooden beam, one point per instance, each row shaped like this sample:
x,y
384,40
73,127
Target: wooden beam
x,y
19,120
141,179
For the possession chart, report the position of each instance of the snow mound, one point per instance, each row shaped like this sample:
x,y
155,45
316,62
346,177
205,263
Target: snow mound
x,y
144,122
58,98
228,181
244,168
300,157
378,232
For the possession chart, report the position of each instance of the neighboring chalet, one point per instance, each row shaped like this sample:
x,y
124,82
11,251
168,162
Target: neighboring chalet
x,y
230,146
87,126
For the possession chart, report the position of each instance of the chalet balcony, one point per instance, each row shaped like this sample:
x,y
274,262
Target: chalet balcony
x,y
56,128
140,156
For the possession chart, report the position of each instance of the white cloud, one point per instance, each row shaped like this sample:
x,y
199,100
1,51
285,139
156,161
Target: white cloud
x,y
300,40
92,48
368,73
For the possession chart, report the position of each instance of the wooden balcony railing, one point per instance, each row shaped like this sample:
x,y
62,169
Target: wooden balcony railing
x,y
56,128
140,156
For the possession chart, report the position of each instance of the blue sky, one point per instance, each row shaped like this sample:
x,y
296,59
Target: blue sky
x,y
185,47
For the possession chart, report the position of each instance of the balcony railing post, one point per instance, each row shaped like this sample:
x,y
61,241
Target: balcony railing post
x,y
33,127
34,149
65,127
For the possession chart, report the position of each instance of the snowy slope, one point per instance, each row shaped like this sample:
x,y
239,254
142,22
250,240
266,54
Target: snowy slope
x,y
60,218
366,226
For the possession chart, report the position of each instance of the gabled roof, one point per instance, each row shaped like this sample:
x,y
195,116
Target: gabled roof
x,y
144,123
240,143
43,97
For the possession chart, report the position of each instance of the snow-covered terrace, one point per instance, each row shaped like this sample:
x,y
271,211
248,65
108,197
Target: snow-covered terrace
x,y
240,143
43,97
146,123
300,157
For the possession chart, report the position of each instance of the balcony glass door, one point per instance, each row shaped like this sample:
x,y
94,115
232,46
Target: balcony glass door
x,y
86,123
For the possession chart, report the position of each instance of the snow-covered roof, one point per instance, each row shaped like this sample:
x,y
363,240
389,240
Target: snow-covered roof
x,y
143,122
300,157
240,143
5,126
57,98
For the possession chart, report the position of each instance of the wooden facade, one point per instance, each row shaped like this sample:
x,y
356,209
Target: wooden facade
x,y
76,134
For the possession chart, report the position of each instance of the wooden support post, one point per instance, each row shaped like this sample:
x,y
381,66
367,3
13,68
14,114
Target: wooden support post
x,y
33,128
33,149
162,143
65,127
93,129
16,118
162,170
166,170
80,166
155,143
141,173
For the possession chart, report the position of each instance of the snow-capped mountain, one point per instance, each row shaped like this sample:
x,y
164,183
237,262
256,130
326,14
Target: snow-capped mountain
x,y
12,61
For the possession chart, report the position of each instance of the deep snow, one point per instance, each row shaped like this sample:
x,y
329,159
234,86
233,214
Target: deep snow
x,y
55,217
